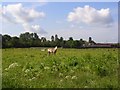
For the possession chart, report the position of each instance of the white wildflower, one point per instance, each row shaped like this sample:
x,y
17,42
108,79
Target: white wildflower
x,y
61,80
53,62
42,64
75,67
27,70
67,77
33,78
42,49
30,79
6,69
85,86
13,65
56,69
46,68
72,71
60,74
74,77
54,66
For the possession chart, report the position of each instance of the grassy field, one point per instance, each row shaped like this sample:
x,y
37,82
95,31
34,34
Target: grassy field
x,y
69,68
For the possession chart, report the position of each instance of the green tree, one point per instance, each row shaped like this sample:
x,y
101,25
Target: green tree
x,y
52,38
15,41
29,39
57,41
0,40
56,38
70,38
61,42
70,43
6,41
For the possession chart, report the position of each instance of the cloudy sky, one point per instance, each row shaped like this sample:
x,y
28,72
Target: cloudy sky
x,y
67,19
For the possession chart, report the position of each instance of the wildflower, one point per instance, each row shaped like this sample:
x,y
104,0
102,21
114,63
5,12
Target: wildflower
x,y
56,69
38,74
42,64
27,70
67,77
30,79
60,74
85,86
33,78
6,69
46,68
53,62
54,66
75,67
72,71
74,77
42,49
13,65
61,80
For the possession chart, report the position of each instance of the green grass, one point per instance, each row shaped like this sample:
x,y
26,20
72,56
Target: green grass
x,y
69,68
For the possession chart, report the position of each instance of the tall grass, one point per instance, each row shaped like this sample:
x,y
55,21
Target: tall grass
x,y
69,68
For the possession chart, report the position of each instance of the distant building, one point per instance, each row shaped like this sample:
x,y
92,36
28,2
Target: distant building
x,y
92,44
102,45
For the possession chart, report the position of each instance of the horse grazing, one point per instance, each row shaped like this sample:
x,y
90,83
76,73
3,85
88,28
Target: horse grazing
x,y
52,50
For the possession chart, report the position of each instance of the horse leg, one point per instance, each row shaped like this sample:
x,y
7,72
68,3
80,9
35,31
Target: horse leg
x,y
49,53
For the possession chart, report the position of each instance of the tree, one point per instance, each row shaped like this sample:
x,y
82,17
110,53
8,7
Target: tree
x,y
6,41
61,39
43,39
81,42
15,41
70,43
71,38
90,39
29,39
35,36
76,44
0,40
56,37
25,39
32,40
57,42
52,38
61,42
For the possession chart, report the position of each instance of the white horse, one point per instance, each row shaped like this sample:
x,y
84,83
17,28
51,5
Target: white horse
x,y
52,50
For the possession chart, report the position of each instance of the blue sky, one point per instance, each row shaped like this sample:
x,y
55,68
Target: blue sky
x,y
52,18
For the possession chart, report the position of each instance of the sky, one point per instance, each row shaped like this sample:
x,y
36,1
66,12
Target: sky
x,y
98,20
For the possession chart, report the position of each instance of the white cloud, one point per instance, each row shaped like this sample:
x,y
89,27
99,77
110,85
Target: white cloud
x,y
38,29
17,13
21,14
34,28
89,15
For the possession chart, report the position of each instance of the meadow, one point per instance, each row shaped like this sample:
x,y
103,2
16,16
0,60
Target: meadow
x,y
69,68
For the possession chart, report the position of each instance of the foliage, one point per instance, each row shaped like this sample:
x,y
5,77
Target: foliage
x,y
69,68
32,40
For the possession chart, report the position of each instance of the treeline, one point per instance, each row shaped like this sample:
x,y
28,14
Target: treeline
x,y
26,40
32,40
